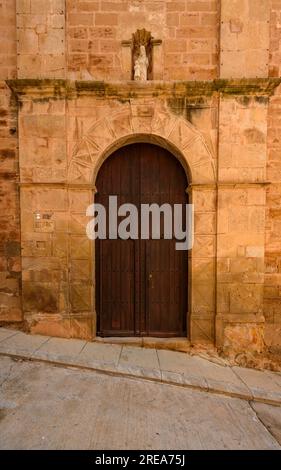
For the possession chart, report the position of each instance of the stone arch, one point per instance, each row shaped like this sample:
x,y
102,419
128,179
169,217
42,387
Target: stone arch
x,y
153,123
142,123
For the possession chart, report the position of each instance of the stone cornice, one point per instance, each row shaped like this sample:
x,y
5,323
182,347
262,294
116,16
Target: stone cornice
x,y
227,185
59,89
191,186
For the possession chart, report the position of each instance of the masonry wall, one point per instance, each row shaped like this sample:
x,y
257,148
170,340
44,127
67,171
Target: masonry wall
x,y
83,39
275,42
244,35
272,289
188,29
236,264
201,39
241,219
41,39
10,260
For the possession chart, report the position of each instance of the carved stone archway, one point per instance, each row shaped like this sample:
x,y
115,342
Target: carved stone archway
x,y
144,123
153,123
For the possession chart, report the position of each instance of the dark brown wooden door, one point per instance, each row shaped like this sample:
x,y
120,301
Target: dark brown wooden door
x,y
141,285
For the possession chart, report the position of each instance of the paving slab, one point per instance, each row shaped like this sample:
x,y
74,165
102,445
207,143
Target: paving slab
x,y
275,377
5,333
160,365
60,350
220,377
146,358
46,407
22,344
100,356
181,368
140,362
262,384
270,416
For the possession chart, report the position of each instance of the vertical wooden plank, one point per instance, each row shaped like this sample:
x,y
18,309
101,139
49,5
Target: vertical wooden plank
x,y
167,304
127,303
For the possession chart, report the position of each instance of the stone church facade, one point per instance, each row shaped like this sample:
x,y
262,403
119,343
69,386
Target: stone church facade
x,y
212,99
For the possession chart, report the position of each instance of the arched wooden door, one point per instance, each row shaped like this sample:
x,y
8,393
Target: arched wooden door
x,y
141,285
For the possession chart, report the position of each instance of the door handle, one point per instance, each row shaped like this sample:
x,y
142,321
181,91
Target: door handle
x,y
150,278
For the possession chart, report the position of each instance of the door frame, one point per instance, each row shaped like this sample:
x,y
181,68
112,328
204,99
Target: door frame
x,y
162,143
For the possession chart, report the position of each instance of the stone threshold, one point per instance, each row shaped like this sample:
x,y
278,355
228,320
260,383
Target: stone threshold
x,y
172,344
157,365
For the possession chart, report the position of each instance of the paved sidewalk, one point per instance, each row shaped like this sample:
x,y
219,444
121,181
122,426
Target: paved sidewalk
x,y
43,406
151,364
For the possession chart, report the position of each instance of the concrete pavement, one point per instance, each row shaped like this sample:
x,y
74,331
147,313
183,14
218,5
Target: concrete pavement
x,y
47,407
150,364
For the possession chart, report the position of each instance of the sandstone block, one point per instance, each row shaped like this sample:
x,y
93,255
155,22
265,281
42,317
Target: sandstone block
x,y
23,6
202,297
246,298
27,42
40,297
81,19
189,19
106,19
204,246
202,330
57,326
203,269
113,6
176,6
43,126
80,271
174,45
80,298
255,251
259,10
205,223
243,338
60,248
172,19
52,42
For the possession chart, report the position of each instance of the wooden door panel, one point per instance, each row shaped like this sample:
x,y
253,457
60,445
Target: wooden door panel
x,y
117,287
163,181
127,302
116,264
167,300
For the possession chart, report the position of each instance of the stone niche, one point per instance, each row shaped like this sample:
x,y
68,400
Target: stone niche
x,y
131,51
67,129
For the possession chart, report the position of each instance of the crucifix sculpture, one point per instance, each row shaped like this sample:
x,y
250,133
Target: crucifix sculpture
x,y
141,46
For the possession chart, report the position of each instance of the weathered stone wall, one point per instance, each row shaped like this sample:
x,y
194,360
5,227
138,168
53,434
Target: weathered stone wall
x,y
8,44
188,29
41,38
10,261
86,37
272,289
244,37
57,257
83,38
201,39
241,220
66,128
275,39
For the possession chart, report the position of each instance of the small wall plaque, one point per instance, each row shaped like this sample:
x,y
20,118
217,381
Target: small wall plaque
x,y
43,222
